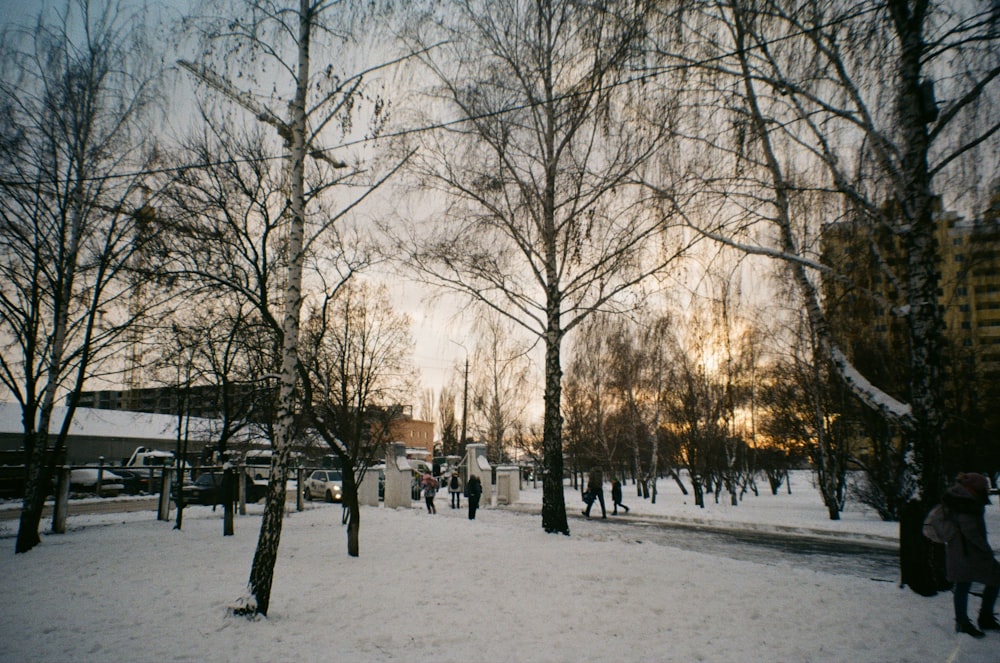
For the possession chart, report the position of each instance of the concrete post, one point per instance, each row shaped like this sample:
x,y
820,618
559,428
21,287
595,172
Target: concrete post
x,y
241,488
398,477
62,501
367,483
166,479
476,463
508,484
100,475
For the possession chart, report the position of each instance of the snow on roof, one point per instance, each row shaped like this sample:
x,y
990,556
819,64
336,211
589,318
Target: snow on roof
x,y
88,422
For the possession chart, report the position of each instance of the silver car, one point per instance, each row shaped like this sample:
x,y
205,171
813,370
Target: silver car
x,y
324,484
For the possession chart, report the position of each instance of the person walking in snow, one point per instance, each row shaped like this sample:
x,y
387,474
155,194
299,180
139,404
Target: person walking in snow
x,y
455,490
473,490
595,486
968,556
430,490
616,496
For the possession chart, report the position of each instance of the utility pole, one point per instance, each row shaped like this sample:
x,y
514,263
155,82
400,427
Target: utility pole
x,y
465,399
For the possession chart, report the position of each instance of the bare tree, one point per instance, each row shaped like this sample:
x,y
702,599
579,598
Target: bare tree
x,y
592,402
447,423
74,95
229,357
355,352
803,406
268,46
879,103
426,411
542,223
499,383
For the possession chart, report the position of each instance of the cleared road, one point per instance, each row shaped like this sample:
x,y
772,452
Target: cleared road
x,y
878,561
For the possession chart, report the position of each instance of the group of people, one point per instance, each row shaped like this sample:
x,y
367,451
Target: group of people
x,y
595,493
472,490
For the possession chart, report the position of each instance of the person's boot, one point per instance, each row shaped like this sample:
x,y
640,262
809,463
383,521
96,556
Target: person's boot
x,y
966,626
988,623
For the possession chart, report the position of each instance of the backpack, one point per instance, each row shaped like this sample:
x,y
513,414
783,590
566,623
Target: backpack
x,y
938,526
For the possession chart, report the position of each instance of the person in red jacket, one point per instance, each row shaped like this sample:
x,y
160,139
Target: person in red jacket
x,y
968,556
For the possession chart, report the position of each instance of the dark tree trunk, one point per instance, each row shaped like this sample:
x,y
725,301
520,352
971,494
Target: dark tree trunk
x,y
230,488
352,512
553,501
36,481
353,527
916,112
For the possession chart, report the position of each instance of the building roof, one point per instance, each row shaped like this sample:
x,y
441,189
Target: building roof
x,y
113,423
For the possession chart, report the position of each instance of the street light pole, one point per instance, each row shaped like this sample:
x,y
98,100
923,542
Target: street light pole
x,y
465,398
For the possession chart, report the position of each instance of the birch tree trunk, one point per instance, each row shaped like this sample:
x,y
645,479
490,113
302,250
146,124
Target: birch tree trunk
x,y
266,555
922,476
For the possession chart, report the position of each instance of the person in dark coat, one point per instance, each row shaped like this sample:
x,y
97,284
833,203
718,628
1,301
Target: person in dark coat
x,y
616,496
473,490
455,490
595,486
968,556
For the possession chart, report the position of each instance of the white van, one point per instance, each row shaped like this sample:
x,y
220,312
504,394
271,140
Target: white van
x,y
258,462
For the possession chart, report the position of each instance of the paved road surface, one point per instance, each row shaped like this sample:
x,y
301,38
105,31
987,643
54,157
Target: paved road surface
x,y
873,561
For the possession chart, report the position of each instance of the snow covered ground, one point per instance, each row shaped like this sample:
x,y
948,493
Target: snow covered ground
x,y
441,588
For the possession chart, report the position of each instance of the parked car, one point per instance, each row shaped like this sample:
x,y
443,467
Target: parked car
x,y
327,484
207,490
135,481
84,480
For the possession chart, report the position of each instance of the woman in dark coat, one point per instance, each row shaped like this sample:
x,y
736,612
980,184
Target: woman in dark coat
x,y
968,556
473,490
616,496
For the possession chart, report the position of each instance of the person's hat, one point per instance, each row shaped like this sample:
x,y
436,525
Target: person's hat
x,y
976,483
